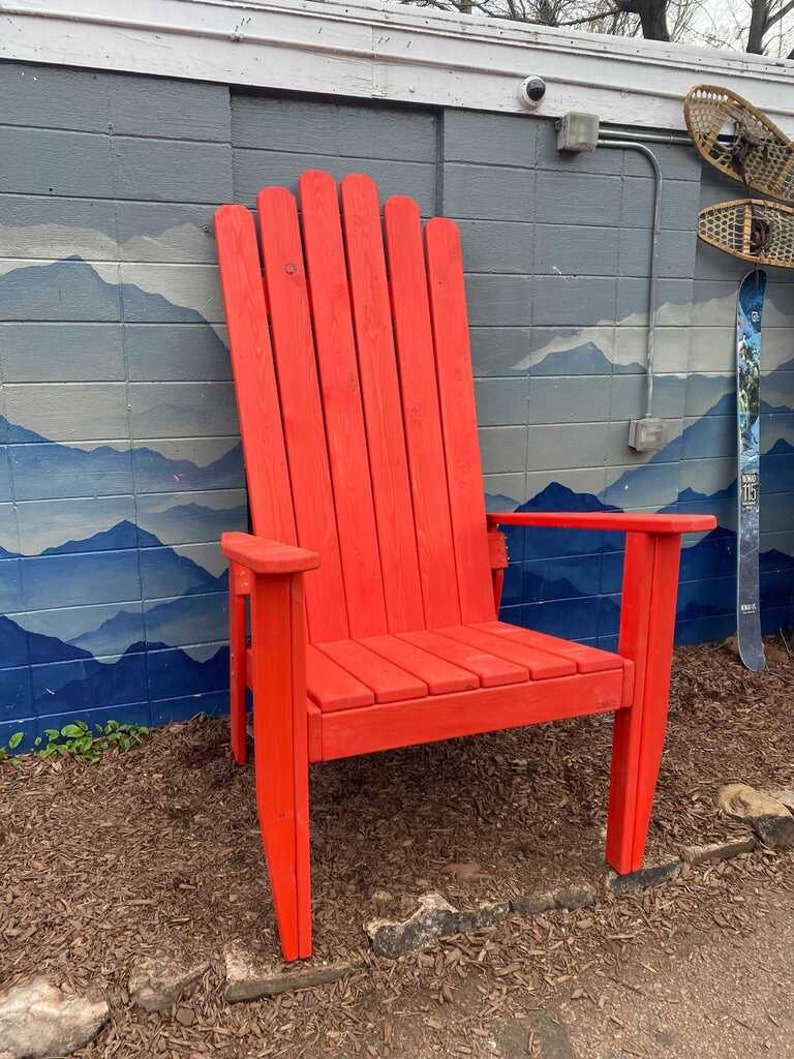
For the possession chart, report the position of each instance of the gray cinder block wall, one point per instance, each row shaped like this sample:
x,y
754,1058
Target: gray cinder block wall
x,y
119,453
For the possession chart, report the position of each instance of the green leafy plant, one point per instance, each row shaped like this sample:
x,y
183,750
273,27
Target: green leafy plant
x,y
79,741
12,744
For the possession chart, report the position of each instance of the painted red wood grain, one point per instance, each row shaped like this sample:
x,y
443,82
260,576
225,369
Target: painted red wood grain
x,y
421,411
459,419
384,727
441,676
341,398
388,682
490,670
391,485
281,752
267,474
587,659
330,686
301,409
539,664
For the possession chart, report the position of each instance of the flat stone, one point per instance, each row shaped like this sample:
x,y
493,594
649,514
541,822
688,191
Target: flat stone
x,y
786,796
533,904
156,982
434,918
717,851
249,979
40,1021
652,875
487,915
573,897
769,817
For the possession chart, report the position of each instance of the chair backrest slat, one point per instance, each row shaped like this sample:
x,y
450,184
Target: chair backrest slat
x,y
459,417
301,410
269,488
356,401
341,392
382,406
421,411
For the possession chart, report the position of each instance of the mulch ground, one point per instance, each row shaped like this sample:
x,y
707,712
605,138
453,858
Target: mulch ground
x,y
159,851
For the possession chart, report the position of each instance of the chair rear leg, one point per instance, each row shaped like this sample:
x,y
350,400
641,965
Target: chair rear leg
x,y
650,585
281,754
237,666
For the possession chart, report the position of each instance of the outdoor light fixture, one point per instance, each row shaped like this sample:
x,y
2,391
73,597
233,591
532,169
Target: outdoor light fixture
x,y
577,132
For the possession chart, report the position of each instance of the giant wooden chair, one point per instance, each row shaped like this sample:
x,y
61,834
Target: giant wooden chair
x,y
373,573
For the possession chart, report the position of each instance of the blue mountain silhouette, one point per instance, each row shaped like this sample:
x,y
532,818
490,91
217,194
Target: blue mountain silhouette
x,y
190,619
156,473
17,645
185,522
53,470
58,290
707,566
168,673
124,534
540,543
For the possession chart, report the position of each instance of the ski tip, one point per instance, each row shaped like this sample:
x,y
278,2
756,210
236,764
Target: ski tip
x,y
756,278
754,660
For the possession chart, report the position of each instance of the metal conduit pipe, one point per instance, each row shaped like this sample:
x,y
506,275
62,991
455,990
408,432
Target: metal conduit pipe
x,y
635,145
671,139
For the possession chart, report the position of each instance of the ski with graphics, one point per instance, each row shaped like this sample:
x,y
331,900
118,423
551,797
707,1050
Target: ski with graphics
x,y
749,310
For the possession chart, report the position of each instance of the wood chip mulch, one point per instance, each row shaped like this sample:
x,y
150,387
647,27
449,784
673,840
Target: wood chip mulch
x,y
158,851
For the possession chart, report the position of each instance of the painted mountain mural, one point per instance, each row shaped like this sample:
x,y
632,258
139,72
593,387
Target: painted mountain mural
x,y
113,592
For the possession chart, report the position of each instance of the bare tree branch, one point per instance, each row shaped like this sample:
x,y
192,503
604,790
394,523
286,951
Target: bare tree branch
x,y
716,23
772,19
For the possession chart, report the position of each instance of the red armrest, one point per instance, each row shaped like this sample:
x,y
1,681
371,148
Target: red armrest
x,y
267,557
607,520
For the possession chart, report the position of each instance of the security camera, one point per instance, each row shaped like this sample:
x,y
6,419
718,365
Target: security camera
x,y
531,91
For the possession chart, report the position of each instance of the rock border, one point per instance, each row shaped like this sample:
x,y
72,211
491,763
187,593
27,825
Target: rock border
x,y
769,818
435,918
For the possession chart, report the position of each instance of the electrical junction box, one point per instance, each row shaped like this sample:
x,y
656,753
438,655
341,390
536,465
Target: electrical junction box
x,y
577,132
647,435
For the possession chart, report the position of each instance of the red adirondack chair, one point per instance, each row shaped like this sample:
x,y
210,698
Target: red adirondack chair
x,y
373,574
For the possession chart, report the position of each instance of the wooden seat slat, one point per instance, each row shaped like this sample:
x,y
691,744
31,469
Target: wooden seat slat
x,y
388,682
588,659
490,670
441,676
539,664
331,686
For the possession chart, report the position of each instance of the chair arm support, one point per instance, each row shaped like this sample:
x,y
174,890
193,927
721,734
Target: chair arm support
x,y
607,521
267,557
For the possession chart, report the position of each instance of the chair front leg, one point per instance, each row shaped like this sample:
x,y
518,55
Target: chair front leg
x,y
281,752
647,627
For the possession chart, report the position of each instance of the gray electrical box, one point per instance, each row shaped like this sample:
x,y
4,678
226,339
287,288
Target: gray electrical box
x,y
647,435
577,132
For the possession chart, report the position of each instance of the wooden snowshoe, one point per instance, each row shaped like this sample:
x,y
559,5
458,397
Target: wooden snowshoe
x,y
740,141
750,229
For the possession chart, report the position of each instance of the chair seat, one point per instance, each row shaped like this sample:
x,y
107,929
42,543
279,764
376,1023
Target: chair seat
x,y
345,674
